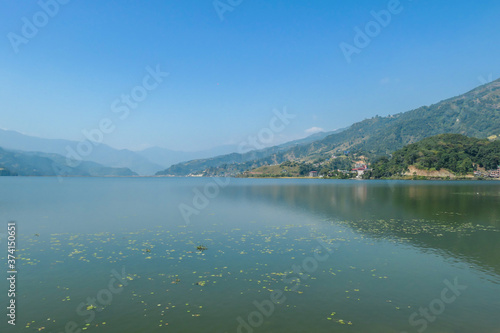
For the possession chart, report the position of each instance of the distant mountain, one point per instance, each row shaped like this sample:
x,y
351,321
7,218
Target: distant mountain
x,y
167,157
198,165
44,164
476,114
143,162
102,154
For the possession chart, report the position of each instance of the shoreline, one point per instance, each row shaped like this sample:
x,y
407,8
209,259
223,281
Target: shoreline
x,y
358,179
424,178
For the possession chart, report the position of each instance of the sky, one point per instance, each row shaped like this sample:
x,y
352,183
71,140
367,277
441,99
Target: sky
x,y
223,69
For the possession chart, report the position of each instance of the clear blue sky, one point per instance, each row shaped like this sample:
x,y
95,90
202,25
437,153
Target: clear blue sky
x,y
226,77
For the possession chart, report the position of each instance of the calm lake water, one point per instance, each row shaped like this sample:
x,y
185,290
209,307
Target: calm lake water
x,y
117,255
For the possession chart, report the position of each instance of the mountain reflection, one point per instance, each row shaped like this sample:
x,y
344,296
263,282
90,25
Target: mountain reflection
x,y
461,220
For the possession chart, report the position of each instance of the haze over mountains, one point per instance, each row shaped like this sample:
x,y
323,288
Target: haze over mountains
x,y
242,159
19,163
23,148
102,154
475,113
167,157
144,162
22,153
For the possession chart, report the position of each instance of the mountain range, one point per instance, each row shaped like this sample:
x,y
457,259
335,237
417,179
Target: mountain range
x,y
144,162
20,163
33,156
475,114
102,154
242,160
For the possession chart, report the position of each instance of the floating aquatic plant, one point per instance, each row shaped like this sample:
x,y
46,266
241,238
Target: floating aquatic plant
x,y
201,248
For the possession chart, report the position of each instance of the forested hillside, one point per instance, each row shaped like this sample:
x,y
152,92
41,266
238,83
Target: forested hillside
x,y
454,152
475,114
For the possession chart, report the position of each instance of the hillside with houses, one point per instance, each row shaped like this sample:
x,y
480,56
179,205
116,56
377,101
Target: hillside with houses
x,y
474,114
446,156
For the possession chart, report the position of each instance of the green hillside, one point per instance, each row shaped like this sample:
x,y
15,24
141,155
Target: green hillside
x,y
475,114
454,152
235,162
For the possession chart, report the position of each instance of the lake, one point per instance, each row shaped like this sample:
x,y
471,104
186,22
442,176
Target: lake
x,y
253,255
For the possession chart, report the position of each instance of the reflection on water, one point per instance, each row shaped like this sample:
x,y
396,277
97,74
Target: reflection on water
x,y
393,247
452,202
450,216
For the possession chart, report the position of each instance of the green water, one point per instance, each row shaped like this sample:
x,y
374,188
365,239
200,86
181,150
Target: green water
x,y
336,256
